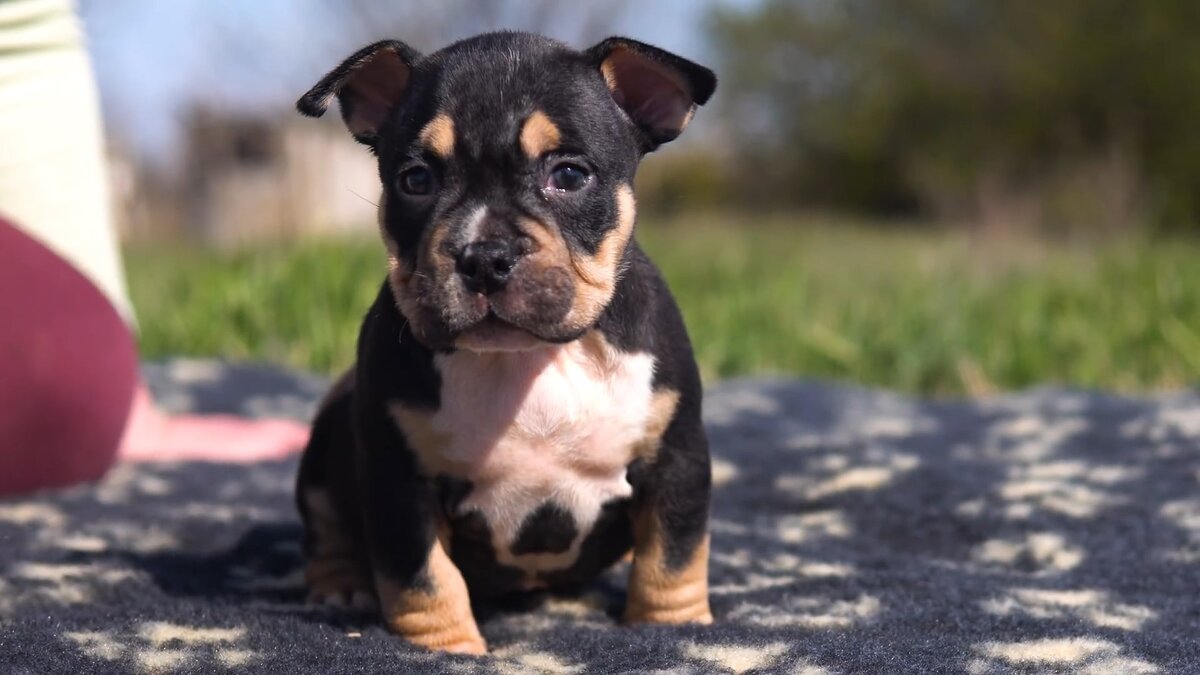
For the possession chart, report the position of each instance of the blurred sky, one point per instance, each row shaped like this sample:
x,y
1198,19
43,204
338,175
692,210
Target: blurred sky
x,y
155,58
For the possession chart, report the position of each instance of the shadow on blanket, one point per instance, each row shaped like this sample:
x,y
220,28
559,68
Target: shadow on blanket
x,y
853,531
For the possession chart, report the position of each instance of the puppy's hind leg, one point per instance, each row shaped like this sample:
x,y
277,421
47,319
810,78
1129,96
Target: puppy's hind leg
x,y
337,571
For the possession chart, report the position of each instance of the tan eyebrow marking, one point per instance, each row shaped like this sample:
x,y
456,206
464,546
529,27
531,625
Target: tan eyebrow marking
x,y
539,135
438,135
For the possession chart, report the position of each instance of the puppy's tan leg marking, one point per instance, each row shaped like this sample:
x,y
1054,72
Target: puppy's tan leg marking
x,y
438,617
334,573
659,594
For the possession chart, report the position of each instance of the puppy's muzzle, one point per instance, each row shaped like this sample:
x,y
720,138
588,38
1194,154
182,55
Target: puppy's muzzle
x,y
486,266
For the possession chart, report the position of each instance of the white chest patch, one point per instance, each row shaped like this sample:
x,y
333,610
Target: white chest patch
x,y
558,424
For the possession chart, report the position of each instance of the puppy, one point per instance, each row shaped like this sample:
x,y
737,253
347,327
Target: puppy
x,y
525,406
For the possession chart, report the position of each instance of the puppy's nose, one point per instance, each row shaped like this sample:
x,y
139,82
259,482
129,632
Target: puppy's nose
x,y
486,266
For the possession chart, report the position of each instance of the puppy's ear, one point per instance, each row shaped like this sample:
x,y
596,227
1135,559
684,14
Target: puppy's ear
x,y
658,90
368,86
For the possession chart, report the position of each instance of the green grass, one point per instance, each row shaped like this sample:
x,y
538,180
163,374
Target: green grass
x,y
916,310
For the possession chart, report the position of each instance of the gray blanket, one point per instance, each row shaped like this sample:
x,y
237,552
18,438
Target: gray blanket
x,y
853,531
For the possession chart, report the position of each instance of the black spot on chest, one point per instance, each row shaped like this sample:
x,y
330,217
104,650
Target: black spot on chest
x,y
548,529
609,539
472,552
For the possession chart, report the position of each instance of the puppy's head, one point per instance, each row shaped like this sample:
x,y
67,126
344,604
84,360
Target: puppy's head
x,y
507,164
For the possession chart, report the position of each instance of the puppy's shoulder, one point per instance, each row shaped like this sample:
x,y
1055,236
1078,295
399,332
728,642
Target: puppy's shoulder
x,y
392,364
644,317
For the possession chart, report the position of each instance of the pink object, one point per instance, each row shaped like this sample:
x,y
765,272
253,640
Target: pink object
x,y
156,437
68,370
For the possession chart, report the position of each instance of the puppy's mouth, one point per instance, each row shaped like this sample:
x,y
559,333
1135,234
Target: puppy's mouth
x,y
527,314
494,334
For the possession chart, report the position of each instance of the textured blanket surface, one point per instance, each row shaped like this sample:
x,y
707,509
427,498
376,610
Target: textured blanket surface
x,y
853,532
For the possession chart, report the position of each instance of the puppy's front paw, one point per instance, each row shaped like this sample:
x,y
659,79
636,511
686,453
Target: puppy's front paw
x,y
661,594
433,622
685,602
456,640
339,583
435,614
342,598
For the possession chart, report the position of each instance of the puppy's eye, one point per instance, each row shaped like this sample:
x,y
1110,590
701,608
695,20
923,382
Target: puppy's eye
x,y
416,181
568,177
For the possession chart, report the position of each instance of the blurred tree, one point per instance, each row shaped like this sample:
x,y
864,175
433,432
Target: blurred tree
x,y
689,178
1083,110
430,26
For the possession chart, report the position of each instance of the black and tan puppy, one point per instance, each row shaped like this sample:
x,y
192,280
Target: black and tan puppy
x,y
525,408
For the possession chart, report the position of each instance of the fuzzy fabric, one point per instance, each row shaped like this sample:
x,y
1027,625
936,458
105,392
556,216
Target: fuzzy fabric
x,y
853,531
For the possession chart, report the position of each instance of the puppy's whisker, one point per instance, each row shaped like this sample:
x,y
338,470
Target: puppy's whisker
x,y
403,327
375,204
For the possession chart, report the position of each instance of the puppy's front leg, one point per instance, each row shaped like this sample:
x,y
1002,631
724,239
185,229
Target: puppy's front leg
x,y
421,593
668,582
434,610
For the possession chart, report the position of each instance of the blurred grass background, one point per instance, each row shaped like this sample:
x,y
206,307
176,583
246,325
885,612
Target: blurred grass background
x,y
919,309
1016,184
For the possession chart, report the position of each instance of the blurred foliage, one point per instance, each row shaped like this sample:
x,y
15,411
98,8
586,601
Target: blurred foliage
x,y
915,309
683,180
1072,113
